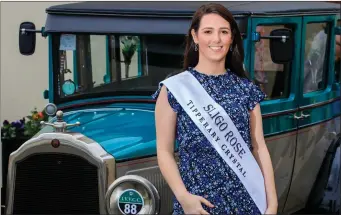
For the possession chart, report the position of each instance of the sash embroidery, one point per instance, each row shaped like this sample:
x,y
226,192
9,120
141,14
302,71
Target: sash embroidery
x,y
219,129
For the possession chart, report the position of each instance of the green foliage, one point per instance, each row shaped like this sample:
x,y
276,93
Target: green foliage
x,y
32,126
129,48
23,128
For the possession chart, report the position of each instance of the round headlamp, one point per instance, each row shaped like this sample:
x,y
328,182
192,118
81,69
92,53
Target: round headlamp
x,y
50,109
132,194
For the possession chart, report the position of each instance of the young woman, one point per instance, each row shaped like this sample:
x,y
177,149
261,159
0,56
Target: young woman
x,y
216,175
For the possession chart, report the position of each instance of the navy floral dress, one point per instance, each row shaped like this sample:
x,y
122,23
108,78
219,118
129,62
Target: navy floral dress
x,y
203,171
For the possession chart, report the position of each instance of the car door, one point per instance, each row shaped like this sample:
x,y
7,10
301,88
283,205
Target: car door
x,y
279,110
318,95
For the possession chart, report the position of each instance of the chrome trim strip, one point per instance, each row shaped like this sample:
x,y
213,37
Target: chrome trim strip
x,y
94,110
70,143
315,105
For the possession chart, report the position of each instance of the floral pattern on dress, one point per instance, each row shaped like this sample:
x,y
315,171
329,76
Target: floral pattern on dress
x,y
202,170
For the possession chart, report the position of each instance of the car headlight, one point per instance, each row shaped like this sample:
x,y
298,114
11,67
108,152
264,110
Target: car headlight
x,y
132,194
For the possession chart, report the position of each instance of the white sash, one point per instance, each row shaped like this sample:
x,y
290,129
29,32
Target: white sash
x,y
217,126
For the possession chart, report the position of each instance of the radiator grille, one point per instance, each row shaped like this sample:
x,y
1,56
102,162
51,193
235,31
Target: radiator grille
x,y
155,177
56,184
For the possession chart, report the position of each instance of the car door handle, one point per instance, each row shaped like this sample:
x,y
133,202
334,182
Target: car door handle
x,y
305,115
294,116
298,117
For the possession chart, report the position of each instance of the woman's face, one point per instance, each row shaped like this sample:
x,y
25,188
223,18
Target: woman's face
x,y
214,37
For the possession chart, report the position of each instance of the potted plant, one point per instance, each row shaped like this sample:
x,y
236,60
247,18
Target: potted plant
x,y
33,126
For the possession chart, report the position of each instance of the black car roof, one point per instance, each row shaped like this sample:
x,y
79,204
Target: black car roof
x,y
174,8
163,17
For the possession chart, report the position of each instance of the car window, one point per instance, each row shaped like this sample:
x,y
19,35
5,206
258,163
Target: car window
x,y
337,65
316,59
272,78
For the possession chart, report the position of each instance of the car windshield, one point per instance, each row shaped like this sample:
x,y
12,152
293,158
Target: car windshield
x,y
92,65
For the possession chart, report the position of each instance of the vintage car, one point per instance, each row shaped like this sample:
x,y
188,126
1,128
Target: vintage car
x,y
97,153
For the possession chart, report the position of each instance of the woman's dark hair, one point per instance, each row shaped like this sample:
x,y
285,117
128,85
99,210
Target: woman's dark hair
x,y
235,58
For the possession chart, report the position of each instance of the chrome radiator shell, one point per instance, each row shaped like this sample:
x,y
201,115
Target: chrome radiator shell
x,y
72,144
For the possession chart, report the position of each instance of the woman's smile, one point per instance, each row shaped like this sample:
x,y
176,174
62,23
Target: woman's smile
x,y
216,48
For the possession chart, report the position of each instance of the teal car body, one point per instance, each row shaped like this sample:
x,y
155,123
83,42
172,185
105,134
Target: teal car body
x,y
93,82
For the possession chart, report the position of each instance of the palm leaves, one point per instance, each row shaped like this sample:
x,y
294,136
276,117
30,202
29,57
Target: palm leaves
x,y
130,45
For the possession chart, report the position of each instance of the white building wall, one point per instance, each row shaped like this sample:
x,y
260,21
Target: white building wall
x,y
23,78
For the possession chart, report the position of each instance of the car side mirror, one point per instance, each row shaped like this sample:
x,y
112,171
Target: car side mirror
x,y
282,45
27,38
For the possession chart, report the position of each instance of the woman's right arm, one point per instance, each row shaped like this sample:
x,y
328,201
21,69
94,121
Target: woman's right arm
x,y
165,120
